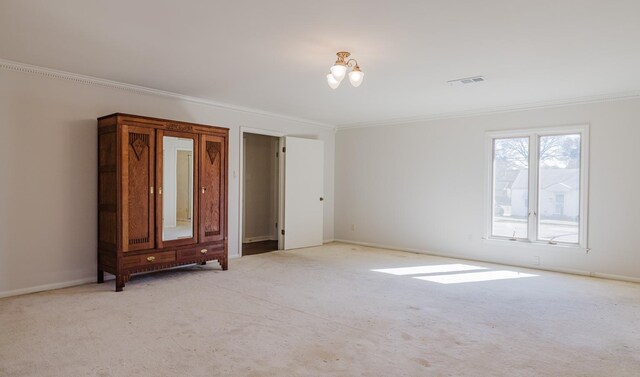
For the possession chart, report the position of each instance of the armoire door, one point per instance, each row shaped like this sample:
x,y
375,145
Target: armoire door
x,y
138,162
212,188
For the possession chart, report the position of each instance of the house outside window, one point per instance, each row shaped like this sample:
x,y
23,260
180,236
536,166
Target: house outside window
x,y
560,205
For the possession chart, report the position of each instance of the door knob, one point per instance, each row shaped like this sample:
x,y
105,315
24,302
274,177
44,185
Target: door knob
x,y
204,189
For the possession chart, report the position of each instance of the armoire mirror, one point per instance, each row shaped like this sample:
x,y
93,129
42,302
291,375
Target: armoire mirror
x,y
177,198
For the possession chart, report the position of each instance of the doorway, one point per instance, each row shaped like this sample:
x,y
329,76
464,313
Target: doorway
x,y
260,193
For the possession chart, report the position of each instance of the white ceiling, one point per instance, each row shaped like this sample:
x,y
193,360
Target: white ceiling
x,y
273,55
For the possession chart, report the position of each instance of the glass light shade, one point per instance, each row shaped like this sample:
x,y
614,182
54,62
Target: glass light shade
x,y
355,77
338,71
333,83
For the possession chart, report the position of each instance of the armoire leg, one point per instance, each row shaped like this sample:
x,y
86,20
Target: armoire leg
x,y
223,263
203,263
119,282
100,276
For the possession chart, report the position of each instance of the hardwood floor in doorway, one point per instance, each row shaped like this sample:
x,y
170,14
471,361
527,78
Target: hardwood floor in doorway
x,y
253,248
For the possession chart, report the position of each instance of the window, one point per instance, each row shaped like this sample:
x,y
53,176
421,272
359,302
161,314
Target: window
x,y
537,181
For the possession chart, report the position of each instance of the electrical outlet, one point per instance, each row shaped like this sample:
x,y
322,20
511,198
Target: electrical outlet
x,y
536,260
353,227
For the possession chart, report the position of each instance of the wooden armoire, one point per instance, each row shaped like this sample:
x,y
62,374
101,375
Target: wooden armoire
x,y
162,195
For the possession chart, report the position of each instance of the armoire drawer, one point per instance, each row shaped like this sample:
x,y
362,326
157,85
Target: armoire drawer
x,y
149,259
200,251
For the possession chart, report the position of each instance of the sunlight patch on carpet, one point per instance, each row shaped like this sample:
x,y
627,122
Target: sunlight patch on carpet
x,y
440,268
474,277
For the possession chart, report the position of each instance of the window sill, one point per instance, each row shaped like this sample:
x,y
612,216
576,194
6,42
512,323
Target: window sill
x,y
537,244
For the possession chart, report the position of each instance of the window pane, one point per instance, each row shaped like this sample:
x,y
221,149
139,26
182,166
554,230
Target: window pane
x,y
510,187
559,188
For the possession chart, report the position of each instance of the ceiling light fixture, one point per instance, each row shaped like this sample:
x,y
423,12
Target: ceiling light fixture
x,y
339,70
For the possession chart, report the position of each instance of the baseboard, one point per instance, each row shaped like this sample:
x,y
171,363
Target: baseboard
x,y
462,257
258,239
615,277
47,287
327,241
73,283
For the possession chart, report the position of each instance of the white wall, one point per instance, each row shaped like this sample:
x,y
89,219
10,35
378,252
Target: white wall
x,y
48,177
421,186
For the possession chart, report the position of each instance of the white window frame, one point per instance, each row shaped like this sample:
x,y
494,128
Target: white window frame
x,y
534,142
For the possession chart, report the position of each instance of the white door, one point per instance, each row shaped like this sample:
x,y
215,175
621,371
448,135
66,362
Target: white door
x,y
303,192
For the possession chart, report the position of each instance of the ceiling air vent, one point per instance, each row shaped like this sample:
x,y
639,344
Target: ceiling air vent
x,y
467,80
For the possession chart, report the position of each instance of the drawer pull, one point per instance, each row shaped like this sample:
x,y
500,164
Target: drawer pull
x,y
151,259
203,251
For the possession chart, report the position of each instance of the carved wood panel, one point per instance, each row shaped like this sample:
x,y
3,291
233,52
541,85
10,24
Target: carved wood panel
x,y
138,178
212,184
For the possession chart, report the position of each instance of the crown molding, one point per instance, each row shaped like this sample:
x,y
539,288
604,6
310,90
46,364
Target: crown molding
x,y
83,79
495,110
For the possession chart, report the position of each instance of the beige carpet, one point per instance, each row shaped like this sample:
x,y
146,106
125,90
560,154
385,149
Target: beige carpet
x,y
324,312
